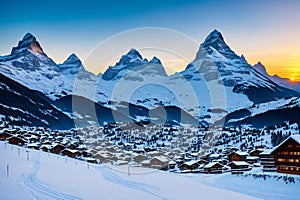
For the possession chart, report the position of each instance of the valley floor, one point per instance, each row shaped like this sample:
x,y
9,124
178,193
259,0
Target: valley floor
x,y
30,174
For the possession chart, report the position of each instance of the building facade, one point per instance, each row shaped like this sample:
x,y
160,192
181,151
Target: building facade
x,y
287,155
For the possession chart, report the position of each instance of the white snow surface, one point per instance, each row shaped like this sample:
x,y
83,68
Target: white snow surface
x,y
49,176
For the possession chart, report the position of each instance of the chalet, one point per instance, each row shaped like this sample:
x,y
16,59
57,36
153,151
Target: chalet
x,y
16,141
192,165
238,167
146,163
4,136
171,164
256,152
89,159
35,145
287,155
57,148
139,158
70,152
213,157
45,147
159,162
267,161
213,168
238,156
102,157
252,159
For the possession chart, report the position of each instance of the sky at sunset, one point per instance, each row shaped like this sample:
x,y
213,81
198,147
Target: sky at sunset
x,y
261,30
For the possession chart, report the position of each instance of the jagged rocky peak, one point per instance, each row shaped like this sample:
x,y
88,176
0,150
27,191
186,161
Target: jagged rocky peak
x,y
155,60
133,56
28,42
72,65
260,68
215,41
214,36
72,59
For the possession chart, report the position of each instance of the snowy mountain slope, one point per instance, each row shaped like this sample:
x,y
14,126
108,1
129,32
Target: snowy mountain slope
x,y
24,107
233,72
267,114
86,112
133,62
284,82
29,65
216,83
39,177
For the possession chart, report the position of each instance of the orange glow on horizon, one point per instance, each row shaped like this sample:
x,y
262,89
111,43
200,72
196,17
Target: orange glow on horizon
x,y
285,65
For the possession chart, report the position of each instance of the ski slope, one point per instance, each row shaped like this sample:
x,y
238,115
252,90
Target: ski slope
x,y
49,176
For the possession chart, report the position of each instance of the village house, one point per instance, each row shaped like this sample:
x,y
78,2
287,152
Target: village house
x,y
256,152
4,136
35,145
159,162
172,164
138,158
287,155
16,141
102,157
213,168
57,148
193,165
238,167
73,153
267,161
252,159
238,156
146,163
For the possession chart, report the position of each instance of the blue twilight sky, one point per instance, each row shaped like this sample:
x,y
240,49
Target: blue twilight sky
x,y
265,30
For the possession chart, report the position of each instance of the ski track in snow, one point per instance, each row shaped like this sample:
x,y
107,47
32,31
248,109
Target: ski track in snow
x,y
114,178
40,190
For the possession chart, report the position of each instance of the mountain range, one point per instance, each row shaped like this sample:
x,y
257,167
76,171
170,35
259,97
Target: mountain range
x,y
217,87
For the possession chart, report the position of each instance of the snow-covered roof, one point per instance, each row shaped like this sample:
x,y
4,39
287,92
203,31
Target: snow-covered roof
x,y
240,153
161,158
146,162
296,138
33,145
72,150
172,162
266,152
209,165
192,162
240,163
252,157
215,155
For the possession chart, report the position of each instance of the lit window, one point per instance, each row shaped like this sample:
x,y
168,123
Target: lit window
x,y
297,160
290,160
290,145
281,160
292,168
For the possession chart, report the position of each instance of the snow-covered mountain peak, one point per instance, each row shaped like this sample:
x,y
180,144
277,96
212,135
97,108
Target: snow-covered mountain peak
x,y
260,68
28,42
155,60
133,56
133,63
215,41
214,36
71,65
72,60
